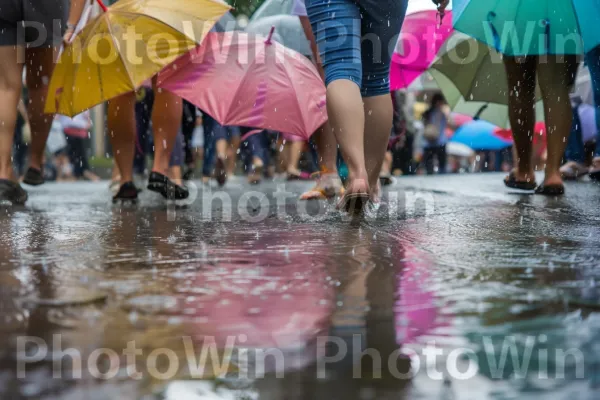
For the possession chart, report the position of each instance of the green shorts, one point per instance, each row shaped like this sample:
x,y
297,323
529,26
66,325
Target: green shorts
x,y
33,23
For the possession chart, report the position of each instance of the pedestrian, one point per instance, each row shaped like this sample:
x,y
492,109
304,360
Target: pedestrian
x,y
592,60
37,53
435,119
166,121
219,144
358,87
329,184
76,132
575,167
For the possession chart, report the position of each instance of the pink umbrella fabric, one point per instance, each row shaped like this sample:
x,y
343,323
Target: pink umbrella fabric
x,y
252,81
420,40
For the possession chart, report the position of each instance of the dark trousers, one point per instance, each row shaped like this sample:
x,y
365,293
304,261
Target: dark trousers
x,y
188,125
143,139
76,148
575,149
429,156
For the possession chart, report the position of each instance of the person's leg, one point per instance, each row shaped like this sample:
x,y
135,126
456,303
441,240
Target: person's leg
x,y
208,161
575,151
380,24
337,28
166,121
428,160
295,153
324,139
555,77
592,59
232,151
521,75
10,93
442,159
40,64
121,132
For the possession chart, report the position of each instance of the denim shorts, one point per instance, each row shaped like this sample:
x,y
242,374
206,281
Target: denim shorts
x,y
356,40
33,23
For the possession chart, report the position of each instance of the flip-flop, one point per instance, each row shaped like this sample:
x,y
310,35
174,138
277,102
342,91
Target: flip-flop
x,y
511,182
550,190
353,203
302,176
386,180
570,172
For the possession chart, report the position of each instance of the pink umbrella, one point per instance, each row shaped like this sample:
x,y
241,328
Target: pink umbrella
x,y
245,80
420,40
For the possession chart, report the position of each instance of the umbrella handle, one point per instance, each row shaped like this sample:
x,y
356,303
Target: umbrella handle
x,y
270,37
102,5
440,18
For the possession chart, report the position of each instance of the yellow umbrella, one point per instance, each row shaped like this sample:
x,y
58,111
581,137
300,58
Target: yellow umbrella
x,y
127,44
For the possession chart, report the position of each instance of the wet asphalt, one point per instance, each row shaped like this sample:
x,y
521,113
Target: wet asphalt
x,y
502,286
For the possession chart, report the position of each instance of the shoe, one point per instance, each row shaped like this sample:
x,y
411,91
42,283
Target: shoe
x,y
511,182
33,177
12,192
128,192
159,183
220,171
256,174
550,190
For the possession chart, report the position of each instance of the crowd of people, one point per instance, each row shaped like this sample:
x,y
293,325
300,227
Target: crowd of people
x,y
376,133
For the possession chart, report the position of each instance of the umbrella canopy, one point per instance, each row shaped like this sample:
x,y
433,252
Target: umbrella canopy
x,y
459,150
421,38
226,23
531,27
289,32
124,46
249,81
481,135
272,7
472,78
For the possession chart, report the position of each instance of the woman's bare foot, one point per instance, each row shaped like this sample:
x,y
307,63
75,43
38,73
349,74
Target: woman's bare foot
x,y
573,170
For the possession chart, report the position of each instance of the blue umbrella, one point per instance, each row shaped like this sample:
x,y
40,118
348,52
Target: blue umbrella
x,y
531,27
480,135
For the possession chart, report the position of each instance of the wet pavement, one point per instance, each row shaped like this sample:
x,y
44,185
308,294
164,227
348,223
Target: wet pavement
x,y
462,289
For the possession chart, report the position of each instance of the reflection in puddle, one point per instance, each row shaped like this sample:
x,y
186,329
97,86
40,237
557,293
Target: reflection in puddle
x,y
285,308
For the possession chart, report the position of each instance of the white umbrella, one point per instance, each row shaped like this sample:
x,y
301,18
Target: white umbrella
x,y
272,7
288,31
459,150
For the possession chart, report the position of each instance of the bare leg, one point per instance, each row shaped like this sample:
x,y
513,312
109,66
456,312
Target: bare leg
x,y
294,157
10,93
521,82
555,77
232,154
166,121
347,119
121,131
379,115
40,64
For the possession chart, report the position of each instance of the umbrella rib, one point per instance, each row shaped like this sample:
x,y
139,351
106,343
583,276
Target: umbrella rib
x,y
129,75
169,25
295,97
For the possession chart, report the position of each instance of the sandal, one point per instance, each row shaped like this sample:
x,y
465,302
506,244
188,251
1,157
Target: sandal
x,y
595,170
573,170
550,190
355,198
302,176
386,180
512,182
328,186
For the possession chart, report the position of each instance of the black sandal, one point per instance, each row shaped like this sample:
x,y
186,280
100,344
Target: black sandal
x,y
159,183
595,175
512,182
550,190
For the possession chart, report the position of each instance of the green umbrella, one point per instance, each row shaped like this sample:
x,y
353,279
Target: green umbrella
x,y
471,75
